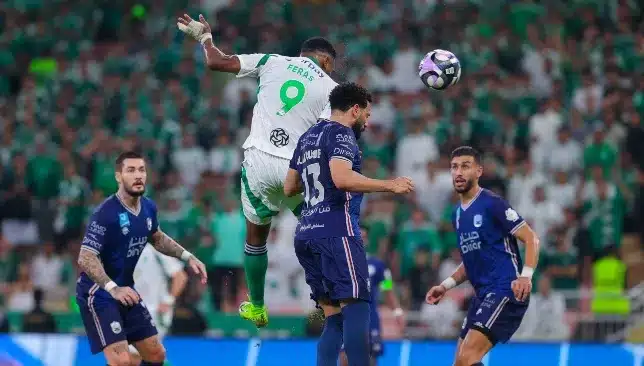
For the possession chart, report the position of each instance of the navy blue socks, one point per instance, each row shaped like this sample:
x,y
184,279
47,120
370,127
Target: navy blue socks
x,y
330,341
356,317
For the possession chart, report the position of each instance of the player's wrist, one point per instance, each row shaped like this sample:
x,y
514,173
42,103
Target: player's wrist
x,y
449,283
186,255
389,185
204,38
110,286
527,272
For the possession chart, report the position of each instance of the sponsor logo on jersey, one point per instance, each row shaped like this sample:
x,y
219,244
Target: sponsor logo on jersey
x,y
124,219
124,222
343,152
315,210
478,220
469,242
149,222
92,243
136,245
96,229
279,137
344,138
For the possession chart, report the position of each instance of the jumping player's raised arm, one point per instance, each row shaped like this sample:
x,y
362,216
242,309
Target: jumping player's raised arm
x,y
215,58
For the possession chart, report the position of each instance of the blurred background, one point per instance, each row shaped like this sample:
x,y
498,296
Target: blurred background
x,y
552,92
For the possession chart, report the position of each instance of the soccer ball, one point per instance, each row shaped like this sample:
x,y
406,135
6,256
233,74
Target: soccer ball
x,y
439,69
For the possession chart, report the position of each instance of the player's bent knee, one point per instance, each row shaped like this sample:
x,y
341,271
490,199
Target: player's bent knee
x,y
157,354
117,354
329,307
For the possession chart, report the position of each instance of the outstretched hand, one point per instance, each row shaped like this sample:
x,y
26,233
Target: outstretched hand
x,y
199,30
198,268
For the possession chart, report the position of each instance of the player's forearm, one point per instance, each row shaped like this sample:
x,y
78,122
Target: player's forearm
x,y
179,281
92,266
531,241
218,60
392,300
292,183
351,181
459,276
166,245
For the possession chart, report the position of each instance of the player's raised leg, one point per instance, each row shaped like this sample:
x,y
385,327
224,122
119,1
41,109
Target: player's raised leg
x,y
259,212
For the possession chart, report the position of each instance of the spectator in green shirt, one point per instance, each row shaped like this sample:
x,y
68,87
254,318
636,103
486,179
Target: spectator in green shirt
x,y
599,152
561,263
415,234
229,229
44,172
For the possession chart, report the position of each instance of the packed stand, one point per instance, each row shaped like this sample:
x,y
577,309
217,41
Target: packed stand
x,y
552,93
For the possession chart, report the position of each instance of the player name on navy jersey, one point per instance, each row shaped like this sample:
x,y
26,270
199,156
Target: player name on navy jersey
x,y
490,253
328,211
118,235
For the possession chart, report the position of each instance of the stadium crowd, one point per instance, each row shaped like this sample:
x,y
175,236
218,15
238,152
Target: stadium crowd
x,y
552,93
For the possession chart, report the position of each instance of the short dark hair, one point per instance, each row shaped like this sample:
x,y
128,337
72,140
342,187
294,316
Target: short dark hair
x,y
467,151
346,95
126,155
318,44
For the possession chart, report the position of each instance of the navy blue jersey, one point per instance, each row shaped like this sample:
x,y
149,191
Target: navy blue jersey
x,y
329,211
490,253
118,235
379,280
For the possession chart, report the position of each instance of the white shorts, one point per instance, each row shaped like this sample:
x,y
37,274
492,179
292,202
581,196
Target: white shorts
x,y
262,187
162,323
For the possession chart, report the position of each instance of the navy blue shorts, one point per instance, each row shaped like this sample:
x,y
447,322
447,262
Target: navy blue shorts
x,y
497,316
107,321
335,268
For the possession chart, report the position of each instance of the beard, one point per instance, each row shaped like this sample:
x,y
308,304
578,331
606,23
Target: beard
x,y
130,191
357,128
465,188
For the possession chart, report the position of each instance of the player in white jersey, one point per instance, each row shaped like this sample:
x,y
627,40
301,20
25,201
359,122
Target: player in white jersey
x,y
159,279
293,93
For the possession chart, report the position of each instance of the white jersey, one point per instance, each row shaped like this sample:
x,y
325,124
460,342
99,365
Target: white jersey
x,y
152,275
293,93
